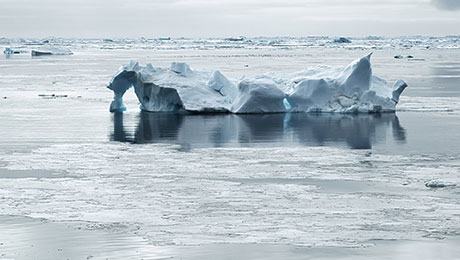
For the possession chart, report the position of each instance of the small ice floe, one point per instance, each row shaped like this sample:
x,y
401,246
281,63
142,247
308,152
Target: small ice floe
x,y
235,39
439,184
402,57
342,40
9,51
51,50
405,183
51,96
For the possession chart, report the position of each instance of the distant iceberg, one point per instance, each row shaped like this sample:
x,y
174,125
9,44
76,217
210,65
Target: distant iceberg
x,y
342,40
235,39
9,51
179,89
439,184
51,50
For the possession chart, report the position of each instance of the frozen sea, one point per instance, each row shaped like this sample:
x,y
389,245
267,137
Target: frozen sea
x,y
77,182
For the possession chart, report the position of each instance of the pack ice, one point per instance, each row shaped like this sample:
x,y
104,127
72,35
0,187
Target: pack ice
x,y
178,89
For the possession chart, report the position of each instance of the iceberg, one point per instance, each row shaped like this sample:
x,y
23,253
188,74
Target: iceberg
x,y
439,184
342,40
235,39
51,50
180,89
9,51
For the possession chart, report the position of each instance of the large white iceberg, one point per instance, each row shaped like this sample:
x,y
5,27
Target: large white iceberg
x,y
178,89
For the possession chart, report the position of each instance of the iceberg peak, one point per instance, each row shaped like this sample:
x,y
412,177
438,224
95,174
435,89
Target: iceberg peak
x,y
356,77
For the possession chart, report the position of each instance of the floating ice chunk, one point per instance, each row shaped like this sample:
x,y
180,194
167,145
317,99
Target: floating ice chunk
x,y
402,57
439,184
51,50
51,96
235,39
342,40
9,51
352,89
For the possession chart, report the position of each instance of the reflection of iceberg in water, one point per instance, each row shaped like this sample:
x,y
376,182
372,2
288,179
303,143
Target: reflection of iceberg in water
x,y
359,132
354,131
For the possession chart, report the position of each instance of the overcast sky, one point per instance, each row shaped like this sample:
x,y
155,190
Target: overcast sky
x,y
217,18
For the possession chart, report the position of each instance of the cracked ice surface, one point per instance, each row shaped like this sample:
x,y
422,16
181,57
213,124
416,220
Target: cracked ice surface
x,y
238,195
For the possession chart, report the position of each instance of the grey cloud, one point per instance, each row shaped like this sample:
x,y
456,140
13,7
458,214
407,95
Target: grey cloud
x,y
214,18
449,5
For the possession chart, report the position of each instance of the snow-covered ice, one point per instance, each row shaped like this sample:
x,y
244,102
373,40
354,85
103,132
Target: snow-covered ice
x,y
319,89
342,40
